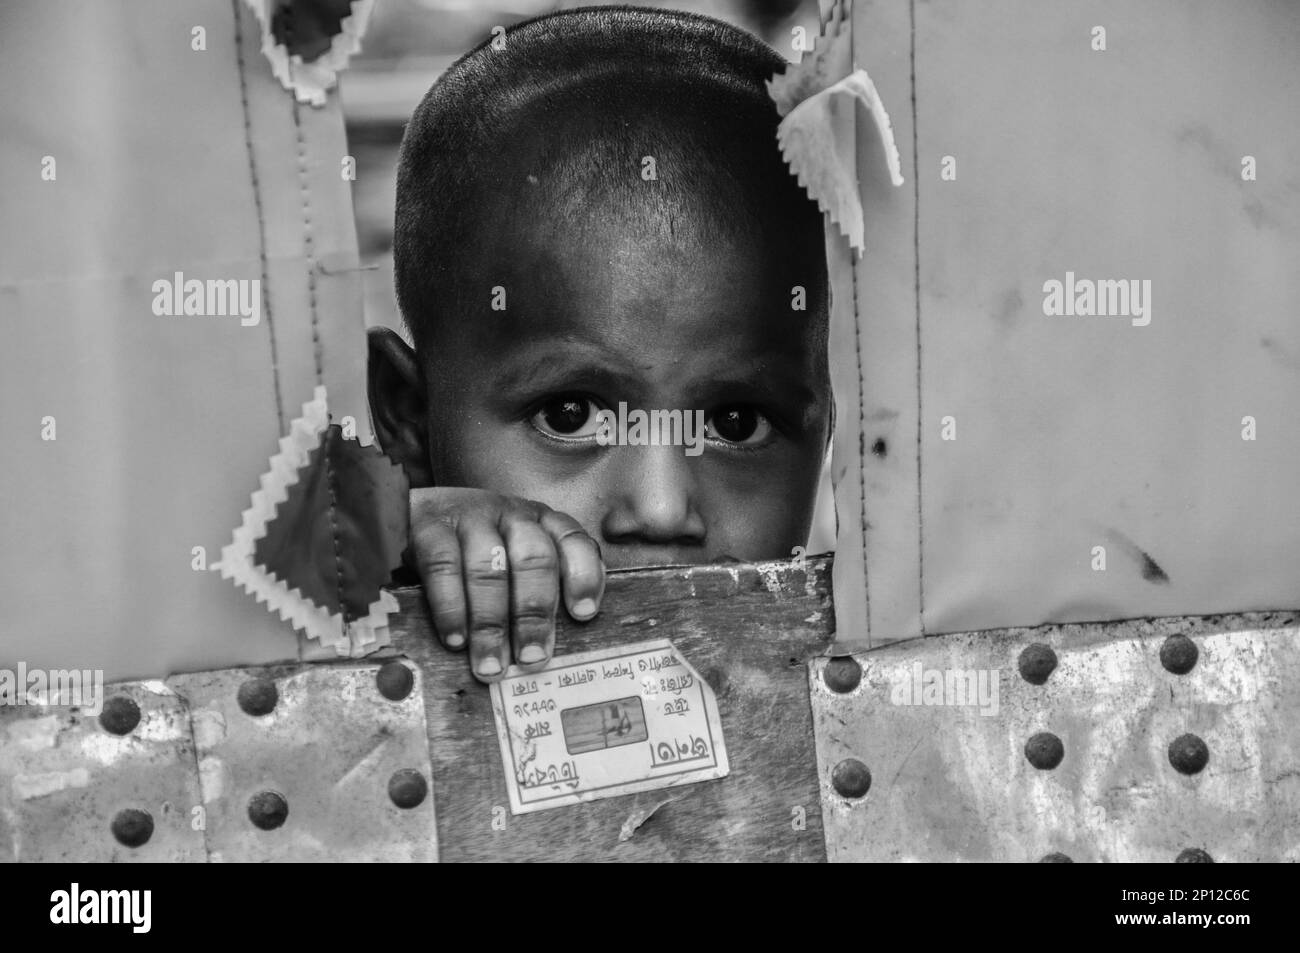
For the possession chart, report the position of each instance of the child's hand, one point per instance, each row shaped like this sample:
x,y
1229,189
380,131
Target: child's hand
x,y
493,567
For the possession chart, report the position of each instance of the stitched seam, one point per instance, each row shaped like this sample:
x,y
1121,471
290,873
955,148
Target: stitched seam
x,y
916,262
309,246
862,443
330,476
257,204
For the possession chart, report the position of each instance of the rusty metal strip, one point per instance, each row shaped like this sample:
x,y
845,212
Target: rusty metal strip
x,y
120,785
313,762
300,762
1093,748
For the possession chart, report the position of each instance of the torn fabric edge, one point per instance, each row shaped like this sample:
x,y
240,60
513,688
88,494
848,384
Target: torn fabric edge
x,y
817,143
818,99
829,62
354,639
309,82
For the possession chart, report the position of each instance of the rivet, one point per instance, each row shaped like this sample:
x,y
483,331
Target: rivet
x,y
395,681
1055,858
1188,754
850,778
1178,654
120,715
842,675
258,696
267,810
1044,751
1037,662
132,827
1194,855
407,788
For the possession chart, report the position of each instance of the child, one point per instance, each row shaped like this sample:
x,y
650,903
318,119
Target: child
x,y
595,228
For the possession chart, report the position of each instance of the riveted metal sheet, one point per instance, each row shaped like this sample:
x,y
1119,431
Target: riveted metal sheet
x,y
72,790
1099,751
309,762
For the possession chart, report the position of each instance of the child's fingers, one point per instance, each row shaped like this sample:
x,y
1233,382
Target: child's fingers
x,y
487,592
438,560
534,590
582,571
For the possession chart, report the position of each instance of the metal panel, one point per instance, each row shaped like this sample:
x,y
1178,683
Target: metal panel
x,y
1151,747
71,789
313,763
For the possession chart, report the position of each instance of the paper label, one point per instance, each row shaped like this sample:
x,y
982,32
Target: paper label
x,y
605,723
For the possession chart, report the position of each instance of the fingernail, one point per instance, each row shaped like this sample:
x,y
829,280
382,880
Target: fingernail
x,y
531,653
584,608
489,666
455,640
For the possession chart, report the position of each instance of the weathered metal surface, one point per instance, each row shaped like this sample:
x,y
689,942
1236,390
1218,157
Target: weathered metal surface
x,y
331,761
1100,748
317,762
71,789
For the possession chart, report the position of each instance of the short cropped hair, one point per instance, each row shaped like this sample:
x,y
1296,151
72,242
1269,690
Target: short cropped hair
x,y
561,111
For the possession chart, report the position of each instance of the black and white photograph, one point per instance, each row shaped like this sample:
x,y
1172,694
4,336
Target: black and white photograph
x,y
702,431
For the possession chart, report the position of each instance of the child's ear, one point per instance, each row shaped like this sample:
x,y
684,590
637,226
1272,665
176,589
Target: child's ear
x,y
398,408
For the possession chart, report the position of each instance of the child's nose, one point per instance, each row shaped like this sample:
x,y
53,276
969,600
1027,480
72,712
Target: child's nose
x,y
655,501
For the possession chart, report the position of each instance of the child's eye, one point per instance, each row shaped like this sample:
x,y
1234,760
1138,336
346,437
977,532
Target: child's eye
x,y
741,425
566,417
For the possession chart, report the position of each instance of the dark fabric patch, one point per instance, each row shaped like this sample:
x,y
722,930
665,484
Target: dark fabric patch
x,y
307,27
341,532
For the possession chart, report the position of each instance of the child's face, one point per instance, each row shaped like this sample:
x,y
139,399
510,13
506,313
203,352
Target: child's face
x,y
611,317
